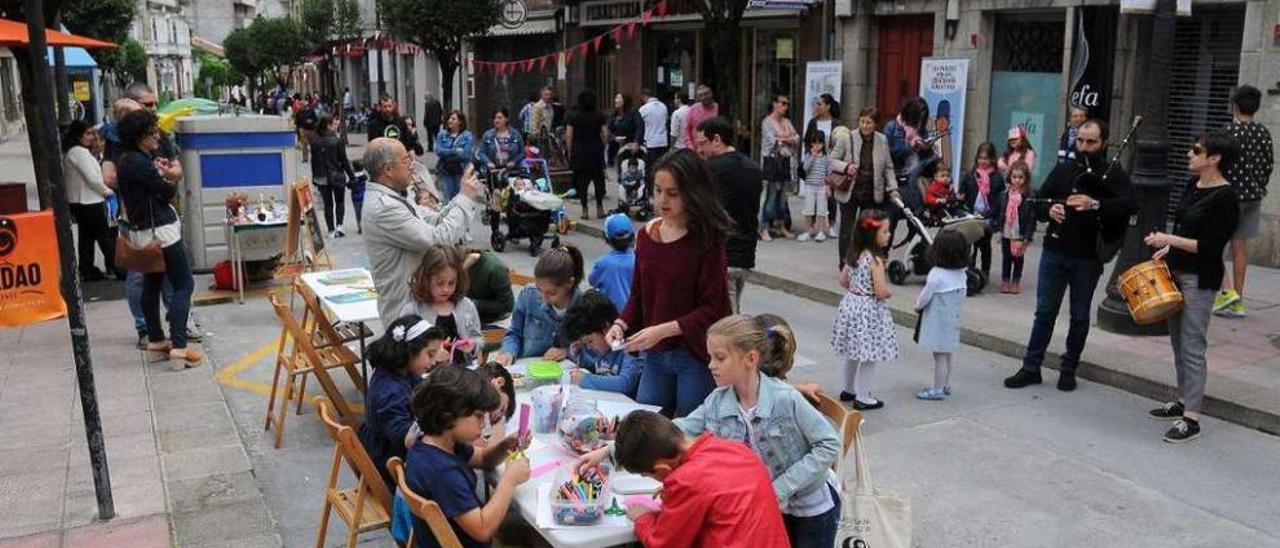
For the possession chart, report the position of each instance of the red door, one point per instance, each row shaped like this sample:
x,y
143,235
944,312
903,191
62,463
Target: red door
x,y
904,41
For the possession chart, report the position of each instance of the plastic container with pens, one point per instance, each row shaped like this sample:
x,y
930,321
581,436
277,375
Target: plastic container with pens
x,y
580,499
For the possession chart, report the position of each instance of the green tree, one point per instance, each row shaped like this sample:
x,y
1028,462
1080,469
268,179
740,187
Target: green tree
x,y
107,20
440,27
264,47
722,21
326,23
214,73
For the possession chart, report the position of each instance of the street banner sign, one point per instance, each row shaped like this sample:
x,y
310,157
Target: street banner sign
x,y
943,84
29,270
820,77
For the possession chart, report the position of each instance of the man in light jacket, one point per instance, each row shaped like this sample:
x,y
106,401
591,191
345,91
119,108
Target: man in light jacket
x,y
396,233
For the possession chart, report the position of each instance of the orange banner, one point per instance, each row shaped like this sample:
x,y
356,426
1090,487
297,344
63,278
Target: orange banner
x,y
29,269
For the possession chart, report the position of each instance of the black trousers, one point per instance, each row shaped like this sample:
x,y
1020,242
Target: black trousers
x,y
582,179
91,223
982,249
335,201
431,137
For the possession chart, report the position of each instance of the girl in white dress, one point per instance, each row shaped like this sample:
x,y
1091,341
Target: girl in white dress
x,y
864,333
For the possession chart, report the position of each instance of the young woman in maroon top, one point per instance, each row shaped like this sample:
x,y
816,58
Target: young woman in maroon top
x,y
680,286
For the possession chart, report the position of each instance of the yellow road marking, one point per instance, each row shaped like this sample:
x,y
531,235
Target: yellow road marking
x,y
230,376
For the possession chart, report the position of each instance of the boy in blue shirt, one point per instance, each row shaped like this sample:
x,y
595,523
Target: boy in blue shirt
x,y
601,367
611,274
452,407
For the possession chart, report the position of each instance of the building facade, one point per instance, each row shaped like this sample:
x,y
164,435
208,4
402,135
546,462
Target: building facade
x,y
1026,64
11,120
162,28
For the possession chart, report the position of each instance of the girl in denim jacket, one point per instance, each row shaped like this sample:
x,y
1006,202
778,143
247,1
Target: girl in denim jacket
x,y
750,405
541,306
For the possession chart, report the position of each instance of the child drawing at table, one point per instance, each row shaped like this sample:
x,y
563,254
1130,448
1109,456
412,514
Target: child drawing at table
x,y
439,289
769,416
715,492
409,348
540,307
501,379
451,406
599,366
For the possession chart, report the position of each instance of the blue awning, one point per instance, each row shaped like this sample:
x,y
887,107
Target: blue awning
x,y
76,57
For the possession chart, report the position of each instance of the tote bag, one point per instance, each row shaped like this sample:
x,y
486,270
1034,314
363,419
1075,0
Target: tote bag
x,y
870,517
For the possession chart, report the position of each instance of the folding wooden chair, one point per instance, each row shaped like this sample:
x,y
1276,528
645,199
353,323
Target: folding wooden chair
x,y
847,420
325,332
363,507
295,359
425,510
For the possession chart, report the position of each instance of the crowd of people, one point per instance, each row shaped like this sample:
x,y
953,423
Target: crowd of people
x,y
658,318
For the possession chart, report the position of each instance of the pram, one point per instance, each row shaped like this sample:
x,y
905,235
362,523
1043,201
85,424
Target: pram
x,y
632,174
915,245
526,200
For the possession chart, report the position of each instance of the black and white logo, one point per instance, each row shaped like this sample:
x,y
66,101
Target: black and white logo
x,y
8,236
514,13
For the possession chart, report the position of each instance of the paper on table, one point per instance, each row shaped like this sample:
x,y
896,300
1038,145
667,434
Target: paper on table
x,y
621,409
546,521
634,485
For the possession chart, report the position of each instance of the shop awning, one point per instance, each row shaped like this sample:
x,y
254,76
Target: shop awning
x,y
14,33
531,26
781,4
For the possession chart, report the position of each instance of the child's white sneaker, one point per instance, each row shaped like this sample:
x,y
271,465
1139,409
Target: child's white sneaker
x,y
802,237
932,394
821,237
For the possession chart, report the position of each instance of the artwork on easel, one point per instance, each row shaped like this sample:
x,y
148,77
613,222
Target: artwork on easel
x,y
302,254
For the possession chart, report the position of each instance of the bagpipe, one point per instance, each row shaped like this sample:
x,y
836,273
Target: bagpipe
x,y
1088,176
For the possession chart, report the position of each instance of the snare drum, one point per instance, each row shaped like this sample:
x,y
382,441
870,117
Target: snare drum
x,y
1150,291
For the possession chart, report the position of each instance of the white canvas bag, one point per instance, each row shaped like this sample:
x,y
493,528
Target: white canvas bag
x,y
870,517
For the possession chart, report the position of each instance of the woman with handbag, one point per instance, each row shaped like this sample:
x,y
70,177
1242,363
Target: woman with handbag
x,y
862,174
87,198
779,143
453,149
154,246
826,119
330,171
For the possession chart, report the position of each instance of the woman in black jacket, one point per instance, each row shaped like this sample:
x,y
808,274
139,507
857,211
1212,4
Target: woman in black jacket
x,y
147,185
625,126
330,172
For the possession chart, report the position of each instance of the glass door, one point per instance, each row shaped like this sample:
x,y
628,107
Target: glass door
x,y
775,72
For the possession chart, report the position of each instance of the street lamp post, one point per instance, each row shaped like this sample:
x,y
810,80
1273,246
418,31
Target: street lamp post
x,y
1150,175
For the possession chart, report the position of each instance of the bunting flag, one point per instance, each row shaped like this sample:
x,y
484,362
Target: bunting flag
x,y
580,50
542,62
631,29
595,44
646,17
617,34
661,8
568,55
528,65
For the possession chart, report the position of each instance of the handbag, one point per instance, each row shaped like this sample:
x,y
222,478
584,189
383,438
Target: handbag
x,y
838,181
870,517
146,259
776,167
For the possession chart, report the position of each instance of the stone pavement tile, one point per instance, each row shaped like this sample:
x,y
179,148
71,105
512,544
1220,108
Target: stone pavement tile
x,y
49,539
196,412
225,524
51,431
262,541
1245,352
147,532
197,494
129,499
23,460
31,503
198,432
124,471
204,462
139,445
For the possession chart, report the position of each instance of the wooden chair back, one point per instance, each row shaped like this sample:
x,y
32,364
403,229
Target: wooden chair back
x,y
353,452
846,420
302,348
326,338
366,506
426,510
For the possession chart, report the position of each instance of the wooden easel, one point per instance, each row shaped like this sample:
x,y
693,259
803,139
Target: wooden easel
x,y
302,254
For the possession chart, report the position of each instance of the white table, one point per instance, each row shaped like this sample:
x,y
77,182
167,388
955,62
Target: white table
x,y
328,284
272,232
526,497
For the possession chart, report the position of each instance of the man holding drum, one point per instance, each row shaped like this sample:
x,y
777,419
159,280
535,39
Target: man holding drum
x,y
1205,223
1091,203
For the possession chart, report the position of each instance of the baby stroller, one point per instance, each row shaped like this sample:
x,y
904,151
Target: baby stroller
x,y
632,173
915,244
527,202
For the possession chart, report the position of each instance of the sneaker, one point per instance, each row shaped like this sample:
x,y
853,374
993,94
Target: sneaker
x,y
1224,299
338,233
1183,430
765,236
946,390
803,237
1022,378
932,394
867,406
194,334
844,396
821,237
142,341
1167,412
833,232
333,234
1067,381
1236,310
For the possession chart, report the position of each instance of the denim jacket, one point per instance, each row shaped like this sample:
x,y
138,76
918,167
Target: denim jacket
x,y
613,371
490,144
535,326
797,443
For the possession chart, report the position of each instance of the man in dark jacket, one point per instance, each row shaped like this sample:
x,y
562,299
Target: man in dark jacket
x,y
1087,213
740,182
432,117
390,124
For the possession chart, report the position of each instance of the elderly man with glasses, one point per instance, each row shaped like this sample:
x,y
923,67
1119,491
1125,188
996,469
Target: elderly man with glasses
x,y
396,232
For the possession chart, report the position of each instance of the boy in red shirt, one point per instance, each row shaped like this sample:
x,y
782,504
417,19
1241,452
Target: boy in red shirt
x,y
714,492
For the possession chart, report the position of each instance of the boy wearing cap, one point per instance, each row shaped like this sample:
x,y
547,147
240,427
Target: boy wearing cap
x,y
611,274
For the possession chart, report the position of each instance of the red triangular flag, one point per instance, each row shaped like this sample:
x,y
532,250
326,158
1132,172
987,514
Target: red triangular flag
x,y
568,55
617,34
595,44
646,17
631,29
542,62
661,9
582,50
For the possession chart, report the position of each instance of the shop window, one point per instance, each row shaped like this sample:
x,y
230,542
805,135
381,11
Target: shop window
x,y
775,74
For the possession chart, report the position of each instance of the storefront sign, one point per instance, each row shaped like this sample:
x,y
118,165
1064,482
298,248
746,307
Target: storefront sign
x,y
1149,6
820,77
513,13
1091,61
942,84
29,270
